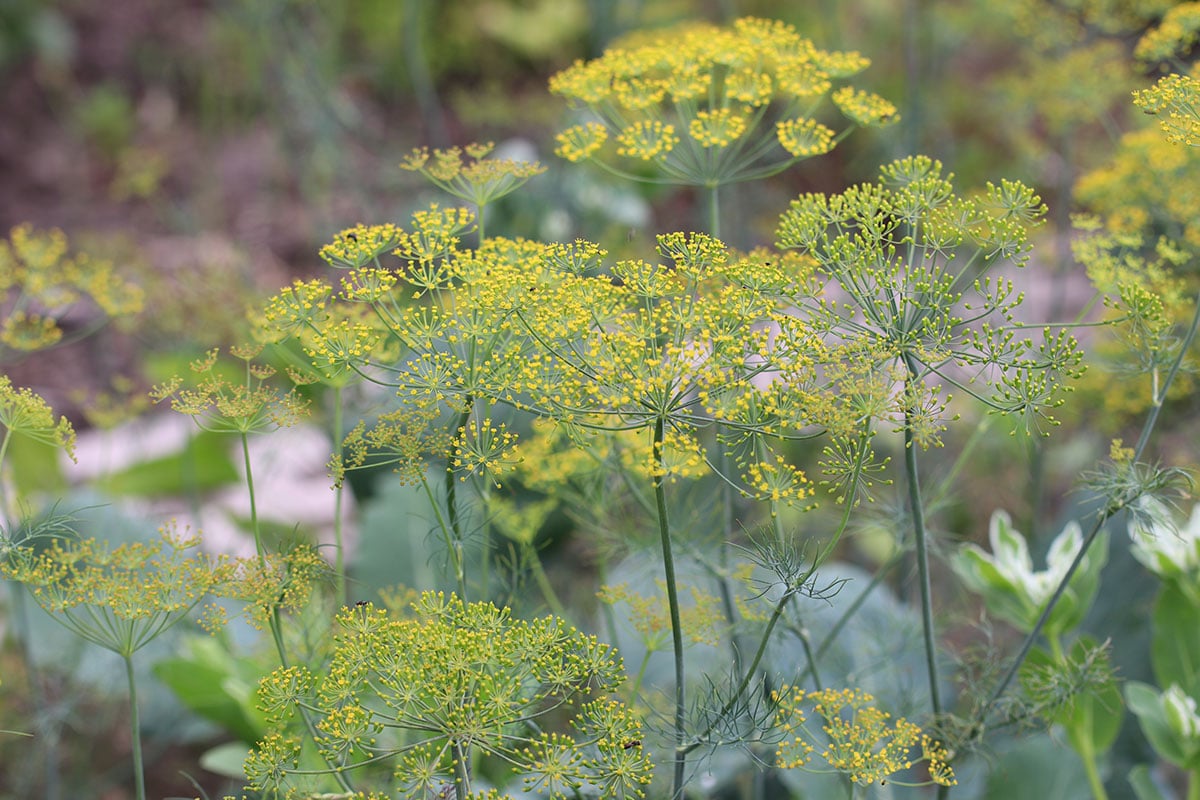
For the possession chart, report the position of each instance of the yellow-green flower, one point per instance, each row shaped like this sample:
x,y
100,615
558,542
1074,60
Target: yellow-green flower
x,y
804,137
726,87
40,279
24,413
581,142
861,740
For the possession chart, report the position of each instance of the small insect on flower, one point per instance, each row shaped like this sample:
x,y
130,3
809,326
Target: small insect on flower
x,y
631,744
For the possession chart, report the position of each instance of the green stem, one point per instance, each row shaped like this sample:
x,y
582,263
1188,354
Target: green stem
x,y
1088,756
338,499
1193,790
135,730
664,532
254,527
543,581
462,774
1056,651
714,211
459,431
921,537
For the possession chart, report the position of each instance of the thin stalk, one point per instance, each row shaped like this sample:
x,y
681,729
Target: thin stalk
x,y
459,431
462,775
921,539
1095,783
1193,790
135,730
254,527
664,532
543,582
714,211
338,499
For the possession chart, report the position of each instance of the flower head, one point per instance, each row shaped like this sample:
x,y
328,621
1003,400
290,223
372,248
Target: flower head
x,y
699,102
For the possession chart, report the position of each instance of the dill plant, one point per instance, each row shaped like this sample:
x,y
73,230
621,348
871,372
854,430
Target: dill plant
x,y
912,258
118,598
449,686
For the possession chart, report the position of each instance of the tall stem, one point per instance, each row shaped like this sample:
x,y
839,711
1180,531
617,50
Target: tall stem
x,y
917,510
338,498
664,532
135,730
714,211
259,547
451,484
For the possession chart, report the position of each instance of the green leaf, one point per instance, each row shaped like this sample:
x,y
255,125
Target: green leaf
x,y
207,682
203,465
1175,643
226,759
1036,766
1143,784
1144,702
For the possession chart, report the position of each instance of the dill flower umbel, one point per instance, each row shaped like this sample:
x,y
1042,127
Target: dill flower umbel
x,y
476,179
40,279
860,739
710,105
450,680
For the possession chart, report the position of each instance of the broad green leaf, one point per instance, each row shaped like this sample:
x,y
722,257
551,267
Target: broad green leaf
x,y
208,681
1175,643
1143,784
226,759
1144,702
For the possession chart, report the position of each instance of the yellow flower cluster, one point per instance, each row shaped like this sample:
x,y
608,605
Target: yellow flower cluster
x,y
1175,99
458,679
41,280
476,179
862,740
864,108
718,84
360,245
702,620
1175,34
24,413
892,248
804,137
581,142
219,404
122,597
647,140
717,128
